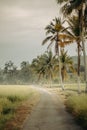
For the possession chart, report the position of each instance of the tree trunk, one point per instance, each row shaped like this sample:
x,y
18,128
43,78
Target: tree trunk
x,y
58,54
85,64
83,45
62,73
61,81
78,71
50,81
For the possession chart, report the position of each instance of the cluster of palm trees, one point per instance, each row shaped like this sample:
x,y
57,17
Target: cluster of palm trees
x,y
75,15
46,66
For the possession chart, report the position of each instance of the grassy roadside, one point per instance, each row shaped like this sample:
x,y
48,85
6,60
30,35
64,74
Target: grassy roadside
x,y
16,102
75,103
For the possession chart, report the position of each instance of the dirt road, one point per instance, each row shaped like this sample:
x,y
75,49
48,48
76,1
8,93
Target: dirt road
x,y
49,114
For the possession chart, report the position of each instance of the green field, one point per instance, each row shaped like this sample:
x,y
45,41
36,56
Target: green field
x,y
10,99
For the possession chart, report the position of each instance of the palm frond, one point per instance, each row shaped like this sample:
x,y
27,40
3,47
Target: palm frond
x,y
68,7
46,39
61,1
65,36
63,44
69,33
52,31
49,45
51,23
74,25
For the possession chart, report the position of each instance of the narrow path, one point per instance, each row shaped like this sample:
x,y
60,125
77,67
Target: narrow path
x,y
49,114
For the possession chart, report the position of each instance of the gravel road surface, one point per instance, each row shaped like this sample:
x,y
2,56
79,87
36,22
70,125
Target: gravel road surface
x,y
49,114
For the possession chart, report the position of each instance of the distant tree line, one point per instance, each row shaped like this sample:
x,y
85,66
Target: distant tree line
x,y
43,69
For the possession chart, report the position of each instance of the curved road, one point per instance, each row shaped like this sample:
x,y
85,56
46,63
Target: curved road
x,y
49,114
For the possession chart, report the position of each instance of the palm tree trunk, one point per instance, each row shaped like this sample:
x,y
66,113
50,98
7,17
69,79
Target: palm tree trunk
x,y
61,81
85,64
58,54
50,81
62,73
78,73
83,45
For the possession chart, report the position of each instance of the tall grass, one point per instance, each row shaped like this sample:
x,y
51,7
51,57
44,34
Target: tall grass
x,y
10,98
78,106
76,103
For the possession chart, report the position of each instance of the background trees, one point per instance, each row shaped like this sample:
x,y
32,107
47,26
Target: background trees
x,y
43,69
44,66
66,64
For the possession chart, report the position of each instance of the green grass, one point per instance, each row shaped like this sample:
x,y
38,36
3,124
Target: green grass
x,y
77,105
10,99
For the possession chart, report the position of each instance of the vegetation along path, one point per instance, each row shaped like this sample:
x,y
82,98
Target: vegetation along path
x,y
49,114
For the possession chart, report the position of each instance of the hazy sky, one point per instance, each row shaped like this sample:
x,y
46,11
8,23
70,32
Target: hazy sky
x,y
22,24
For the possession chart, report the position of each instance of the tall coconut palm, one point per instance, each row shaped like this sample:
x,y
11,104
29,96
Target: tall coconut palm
x,y
75,30
53,29
54,32
80,7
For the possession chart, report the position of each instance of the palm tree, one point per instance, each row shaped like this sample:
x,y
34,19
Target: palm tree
x,y
75,30
66,62
44,65
55,35
38,66
78,6
54,29
50,62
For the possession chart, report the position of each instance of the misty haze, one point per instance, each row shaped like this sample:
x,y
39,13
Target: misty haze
x,y
43,65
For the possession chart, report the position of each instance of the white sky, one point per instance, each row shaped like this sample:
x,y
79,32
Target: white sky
x,y
22,24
